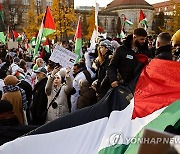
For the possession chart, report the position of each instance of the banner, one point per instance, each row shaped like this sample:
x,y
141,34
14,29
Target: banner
x,y
12,45
63,56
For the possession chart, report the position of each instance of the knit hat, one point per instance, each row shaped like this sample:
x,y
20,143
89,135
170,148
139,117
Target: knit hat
x,y
176,38
41,70
10,80
107,44
5,106
62,72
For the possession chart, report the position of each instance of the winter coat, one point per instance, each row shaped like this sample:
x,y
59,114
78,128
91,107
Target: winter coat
x,y
61,100
39,104
164,52
123,61
15,99
87,97
103,83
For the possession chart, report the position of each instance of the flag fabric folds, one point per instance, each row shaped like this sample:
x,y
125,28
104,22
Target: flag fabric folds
x,y
108,126
78,41
47,27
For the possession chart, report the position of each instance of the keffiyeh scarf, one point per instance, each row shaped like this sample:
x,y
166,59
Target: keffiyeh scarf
x,y
11,88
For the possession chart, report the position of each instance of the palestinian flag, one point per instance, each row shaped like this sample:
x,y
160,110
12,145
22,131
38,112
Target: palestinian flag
x,y
16,36
142,20
46,45
33,40
47,27
108,126
128,22
78,43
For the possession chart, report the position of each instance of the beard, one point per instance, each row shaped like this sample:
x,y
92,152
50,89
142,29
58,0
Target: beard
x,y
138,44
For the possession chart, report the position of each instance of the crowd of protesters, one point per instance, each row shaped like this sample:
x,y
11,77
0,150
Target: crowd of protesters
x,y
35,91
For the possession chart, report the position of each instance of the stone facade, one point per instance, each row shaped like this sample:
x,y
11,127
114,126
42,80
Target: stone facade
x,y
131,10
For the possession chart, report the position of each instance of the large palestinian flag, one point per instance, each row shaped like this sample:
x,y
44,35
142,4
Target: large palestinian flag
x,y
108,126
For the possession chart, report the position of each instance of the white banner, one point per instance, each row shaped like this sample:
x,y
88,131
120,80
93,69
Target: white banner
x,y
12,45
63,56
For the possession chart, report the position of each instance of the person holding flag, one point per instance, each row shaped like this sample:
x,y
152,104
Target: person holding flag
x,y
124,59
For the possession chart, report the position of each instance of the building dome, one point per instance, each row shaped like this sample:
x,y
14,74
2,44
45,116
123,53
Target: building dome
x,y
124,4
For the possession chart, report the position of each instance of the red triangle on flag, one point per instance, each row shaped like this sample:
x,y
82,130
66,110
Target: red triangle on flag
x,y
141,15
48,20
15,34
46,42
78,31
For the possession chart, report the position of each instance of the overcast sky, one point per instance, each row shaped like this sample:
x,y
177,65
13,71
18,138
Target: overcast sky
x,y
105,2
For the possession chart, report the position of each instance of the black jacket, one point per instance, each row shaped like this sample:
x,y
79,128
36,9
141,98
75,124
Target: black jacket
x,y
164,52
124,61
101,74
39,104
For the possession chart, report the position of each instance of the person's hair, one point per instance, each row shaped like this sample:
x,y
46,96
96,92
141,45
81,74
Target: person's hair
x,y
22,64
51,65
164,37
81,63
78,65
140,32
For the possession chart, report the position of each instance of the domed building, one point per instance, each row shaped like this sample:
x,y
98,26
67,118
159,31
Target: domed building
x,y
129,9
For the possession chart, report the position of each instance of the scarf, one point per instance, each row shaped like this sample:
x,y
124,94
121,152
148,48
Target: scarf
x,y
11,88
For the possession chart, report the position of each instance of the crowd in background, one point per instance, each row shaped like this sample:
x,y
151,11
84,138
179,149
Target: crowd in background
x,y
35,91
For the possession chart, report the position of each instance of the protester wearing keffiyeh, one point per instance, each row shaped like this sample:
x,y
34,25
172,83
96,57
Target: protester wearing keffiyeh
x,y
11,88
15,96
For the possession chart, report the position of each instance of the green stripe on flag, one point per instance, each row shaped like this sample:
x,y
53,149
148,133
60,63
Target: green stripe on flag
x,y
128,22
169,116
78,48
47,31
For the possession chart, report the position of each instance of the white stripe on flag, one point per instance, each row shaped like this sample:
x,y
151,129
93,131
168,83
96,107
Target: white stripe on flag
x,y
120,123
83,139
117,121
